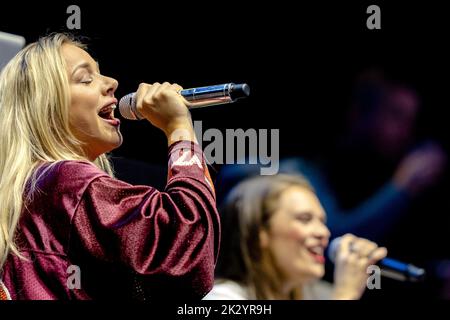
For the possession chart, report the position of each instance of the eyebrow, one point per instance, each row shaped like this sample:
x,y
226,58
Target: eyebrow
x,y
85,65
311,213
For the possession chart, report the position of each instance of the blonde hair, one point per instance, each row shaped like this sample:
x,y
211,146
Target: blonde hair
x,y
34,128
247,210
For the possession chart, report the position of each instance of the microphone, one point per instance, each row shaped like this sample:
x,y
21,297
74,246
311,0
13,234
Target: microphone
x,y
390,268
198,97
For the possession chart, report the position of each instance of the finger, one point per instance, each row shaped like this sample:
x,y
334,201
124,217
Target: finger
x,y
162,88
363,263
377,255
365,247
149,93
345,246
176,87
141,92
346,243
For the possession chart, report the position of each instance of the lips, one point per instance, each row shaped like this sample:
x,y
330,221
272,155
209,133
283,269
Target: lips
x,y
115,122
317,253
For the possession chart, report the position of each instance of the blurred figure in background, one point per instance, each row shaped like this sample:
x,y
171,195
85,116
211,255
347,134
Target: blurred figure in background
x,y
273,242
378,174
377,167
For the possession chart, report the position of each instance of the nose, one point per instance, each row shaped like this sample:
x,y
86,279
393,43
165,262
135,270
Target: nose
x,y
322,231
110,86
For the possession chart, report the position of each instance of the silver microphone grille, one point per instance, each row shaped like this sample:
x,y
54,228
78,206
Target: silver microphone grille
x,y
126,106
333,248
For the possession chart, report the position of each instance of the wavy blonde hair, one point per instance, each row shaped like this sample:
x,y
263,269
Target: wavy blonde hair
x,y
34,128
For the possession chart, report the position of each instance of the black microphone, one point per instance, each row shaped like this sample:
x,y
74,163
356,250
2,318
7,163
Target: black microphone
x,y
390,268
198,98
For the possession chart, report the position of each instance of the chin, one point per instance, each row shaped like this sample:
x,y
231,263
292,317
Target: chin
x,y
117,144
311,275
320,274
114,142
316,273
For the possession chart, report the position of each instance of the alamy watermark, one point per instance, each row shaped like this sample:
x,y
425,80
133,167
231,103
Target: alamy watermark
x,y
73,277
374,280
374,20
239,146
74,20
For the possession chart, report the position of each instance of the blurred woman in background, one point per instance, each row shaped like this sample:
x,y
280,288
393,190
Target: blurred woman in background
x,y
273,244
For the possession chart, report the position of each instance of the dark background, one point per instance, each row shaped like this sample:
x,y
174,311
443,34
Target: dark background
x,y
300,61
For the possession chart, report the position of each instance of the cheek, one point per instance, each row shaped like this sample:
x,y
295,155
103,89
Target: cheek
x,y
84,100
290,255
293,233
83,108
81,120
289,243
297,233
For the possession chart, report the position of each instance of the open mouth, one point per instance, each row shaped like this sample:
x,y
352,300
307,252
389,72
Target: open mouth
x,y
317,253
107,114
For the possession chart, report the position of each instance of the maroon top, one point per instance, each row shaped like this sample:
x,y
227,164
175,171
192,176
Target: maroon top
x,y
89,236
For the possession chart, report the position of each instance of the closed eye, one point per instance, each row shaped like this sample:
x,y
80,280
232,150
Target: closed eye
x,y
304,217
86,81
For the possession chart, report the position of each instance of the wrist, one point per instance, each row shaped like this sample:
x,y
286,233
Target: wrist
x,y
342,294
180,131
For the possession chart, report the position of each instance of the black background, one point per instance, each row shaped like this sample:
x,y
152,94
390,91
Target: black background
x,y
300,60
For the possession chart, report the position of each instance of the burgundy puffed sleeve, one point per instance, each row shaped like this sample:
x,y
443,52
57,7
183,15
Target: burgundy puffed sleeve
x,y
168,240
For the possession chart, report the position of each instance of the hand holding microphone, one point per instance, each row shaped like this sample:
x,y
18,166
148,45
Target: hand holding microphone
x,y
390,268
166,106
194,98
352,256
165,109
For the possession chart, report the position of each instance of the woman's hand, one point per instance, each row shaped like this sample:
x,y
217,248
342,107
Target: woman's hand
x,y
353,257
421,168
166,109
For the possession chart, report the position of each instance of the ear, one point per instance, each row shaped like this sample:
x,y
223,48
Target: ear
x,y
263,238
